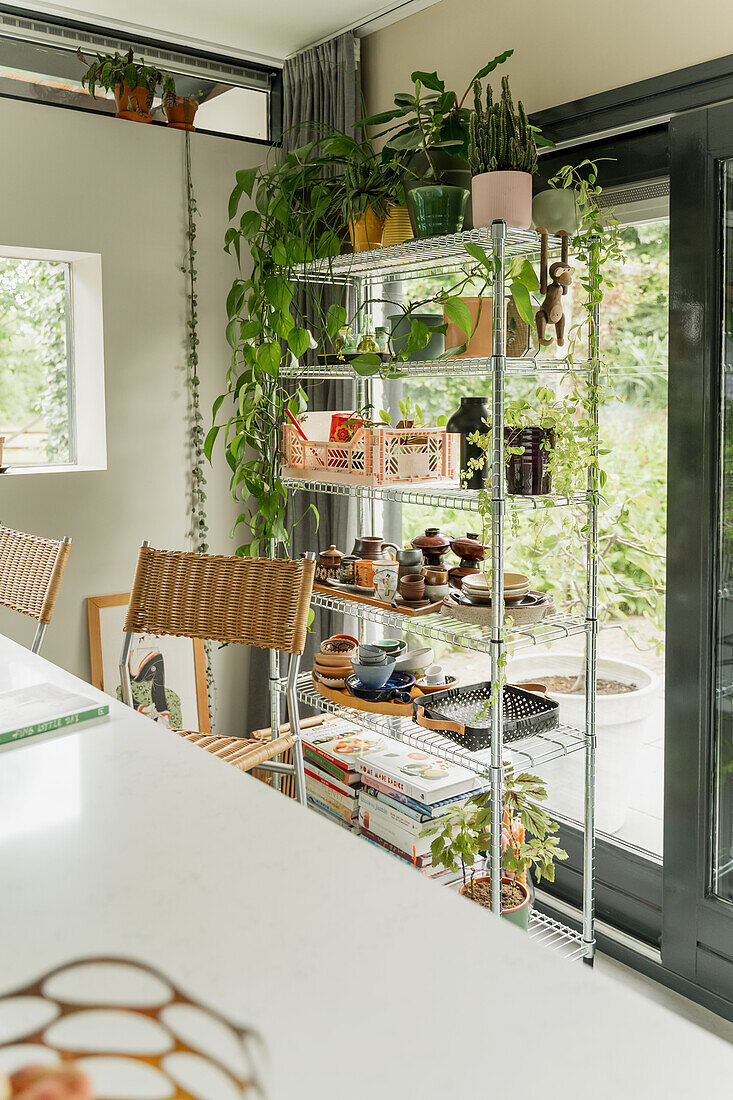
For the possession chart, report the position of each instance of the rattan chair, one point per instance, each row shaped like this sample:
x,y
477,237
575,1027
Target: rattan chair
x,y
247,601
31,569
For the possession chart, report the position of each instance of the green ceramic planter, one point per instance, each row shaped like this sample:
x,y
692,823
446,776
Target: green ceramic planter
x,y
556,210
437,209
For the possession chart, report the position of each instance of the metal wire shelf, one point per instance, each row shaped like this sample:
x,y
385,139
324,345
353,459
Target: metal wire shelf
x,y
556,936
433,254
443,628
527,753
434,495
437,368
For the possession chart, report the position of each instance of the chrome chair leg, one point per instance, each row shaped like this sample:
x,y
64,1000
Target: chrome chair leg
x,y
125,684
38,637
294,719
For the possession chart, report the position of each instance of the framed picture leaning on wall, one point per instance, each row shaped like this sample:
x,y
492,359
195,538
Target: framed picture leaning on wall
x,y
168,674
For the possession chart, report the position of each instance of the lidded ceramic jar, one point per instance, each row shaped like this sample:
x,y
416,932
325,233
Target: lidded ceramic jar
x,y
468,549
329,564
433,544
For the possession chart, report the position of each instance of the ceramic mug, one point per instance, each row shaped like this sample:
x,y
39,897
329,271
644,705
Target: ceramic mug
x,y
385,581
409,559
412,586
435,576
435,675
364,572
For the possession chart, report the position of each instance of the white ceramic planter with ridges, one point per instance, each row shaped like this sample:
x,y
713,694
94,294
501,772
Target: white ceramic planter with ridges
x,y
502,196
620,727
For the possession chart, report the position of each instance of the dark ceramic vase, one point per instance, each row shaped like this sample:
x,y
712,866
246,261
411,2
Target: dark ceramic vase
x,y
467,420
400,325
527,474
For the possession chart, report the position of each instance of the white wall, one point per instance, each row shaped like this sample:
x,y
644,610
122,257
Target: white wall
x,y
561,51
94,184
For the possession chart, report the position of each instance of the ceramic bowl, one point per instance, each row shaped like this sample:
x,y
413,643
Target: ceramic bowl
x,y
436,592
334,672
413,660
391,646
428,689
333,660
515,580
371,655
329,682
339,647
396,689
374,676
346,637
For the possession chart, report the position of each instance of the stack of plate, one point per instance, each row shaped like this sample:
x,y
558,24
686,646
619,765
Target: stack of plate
x,y
477,588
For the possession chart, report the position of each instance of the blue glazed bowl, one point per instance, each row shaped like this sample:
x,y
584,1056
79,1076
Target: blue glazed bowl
x,y
396,690
373,676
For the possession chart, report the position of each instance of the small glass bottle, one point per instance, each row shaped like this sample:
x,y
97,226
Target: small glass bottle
x,y
381,335
367,341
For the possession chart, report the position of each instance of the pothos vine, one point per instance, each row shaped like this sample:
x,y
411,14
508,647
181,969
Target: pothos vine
x,y
198,531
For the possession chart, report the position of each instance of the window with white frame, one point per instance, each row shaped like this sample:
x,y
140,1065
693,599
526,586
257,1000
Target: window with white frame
x,y
51,360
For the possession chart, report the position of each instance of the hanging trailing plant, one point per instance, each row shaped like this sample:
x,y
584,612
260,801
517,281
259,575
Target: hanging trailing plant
x,y
198,531
269,324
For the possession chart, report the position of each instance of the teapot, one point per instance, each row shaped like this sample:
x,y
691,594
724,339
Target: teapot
x,y
373,548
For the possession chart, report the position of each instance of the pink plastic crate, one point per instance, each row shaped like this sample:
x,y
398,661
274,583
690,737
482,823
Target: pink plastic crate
x,y
377,455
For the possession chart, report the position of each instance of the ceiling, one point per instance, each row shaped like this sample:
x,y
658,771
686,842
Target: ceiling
x,y
257,29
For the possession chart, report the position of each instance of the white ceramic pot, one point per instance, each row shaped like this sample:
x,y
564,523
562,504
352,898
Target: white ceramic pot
x,y
385,581
502,196
556,210
621,722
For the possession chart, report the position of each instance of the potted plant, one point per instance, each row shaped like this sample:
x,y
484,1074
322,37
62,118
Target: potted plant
x,y
502,156
528,840
428,129
180,110
368,185
133,83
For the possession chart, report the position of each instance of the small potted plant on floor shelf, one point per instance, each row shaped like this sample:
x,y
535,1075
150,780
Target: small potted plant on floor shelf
x,y
180,110
502,156
133,83
529,843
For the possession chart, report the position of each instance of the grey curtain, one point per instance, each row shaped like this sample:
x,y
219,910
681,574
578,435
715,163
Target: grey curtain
x,y
322,86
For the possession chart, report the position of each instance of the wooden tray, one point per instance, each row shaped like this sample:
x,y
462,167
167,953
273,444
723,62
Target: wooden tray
x,y
345,699
372,601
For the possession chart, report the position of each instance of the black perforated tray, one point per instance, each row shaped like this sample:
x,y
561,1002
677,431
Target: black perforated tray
x,y
464,714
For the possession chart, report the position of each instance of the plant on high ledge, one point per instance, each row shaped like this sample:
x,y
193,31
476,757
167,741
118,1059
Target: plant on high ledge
x,y
180,110
132,82
502,156
529,843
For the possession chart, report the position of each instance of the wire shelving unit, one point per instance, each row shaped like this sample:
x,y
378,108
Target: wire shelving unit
x,y
436,256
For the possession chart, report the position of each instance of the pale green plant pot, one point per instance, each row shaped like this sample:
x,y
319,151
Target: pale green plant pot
x,y
437,210
556,211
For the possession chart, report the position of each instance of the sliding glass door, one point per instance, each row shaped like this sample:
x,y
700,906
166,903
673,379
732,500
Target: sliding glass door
x,y
697,940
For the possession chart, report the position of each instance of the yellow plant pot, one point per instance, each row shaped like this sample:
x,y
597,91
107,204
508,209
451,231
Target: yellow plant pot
x,y
397,226
366,231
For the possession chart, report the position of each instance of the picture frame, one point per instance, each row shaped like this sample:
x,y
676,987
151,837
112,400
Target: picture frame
x,y
172,691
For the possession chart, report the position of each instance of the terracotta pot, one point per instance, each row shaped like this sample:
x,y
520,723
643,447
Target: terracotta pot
x,y
481,343
180,111
502,196
518,914
433,544
133,104
366,231
397,227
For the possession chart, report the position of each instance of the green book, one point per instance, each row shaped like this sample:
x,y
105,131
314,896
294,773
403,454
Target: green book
x,y
43,708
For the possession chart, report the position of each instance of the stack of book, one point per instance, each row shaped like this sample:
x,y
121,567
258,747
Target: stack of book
x,y
402,791
332,780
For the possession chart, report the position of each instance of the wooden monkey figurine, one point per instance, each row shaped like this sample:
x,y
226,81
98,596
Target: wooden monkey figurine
x,y
561,275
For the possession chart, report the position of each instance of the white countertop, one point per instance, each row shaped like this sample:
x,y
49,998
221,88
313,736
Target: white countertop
x,y
121,839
